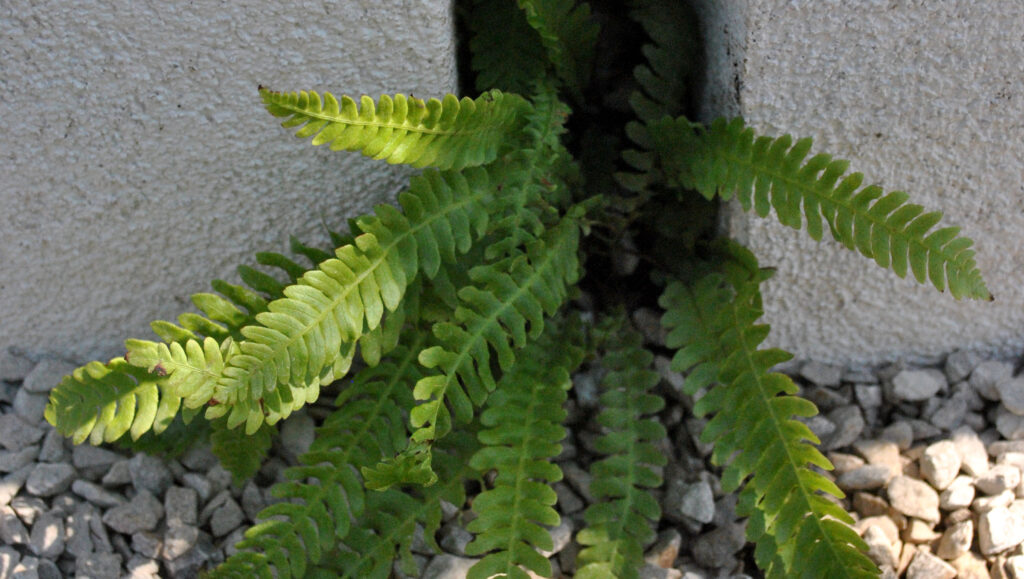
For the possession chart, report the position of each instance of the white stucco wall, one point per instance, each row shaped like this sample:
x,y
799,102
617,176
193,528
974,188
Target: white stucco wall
x,y
138,163
925,97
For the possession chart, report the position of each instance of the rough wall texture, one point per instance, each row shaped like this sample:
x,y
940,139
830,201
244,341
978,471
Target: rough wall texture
x,y
139,164
925,97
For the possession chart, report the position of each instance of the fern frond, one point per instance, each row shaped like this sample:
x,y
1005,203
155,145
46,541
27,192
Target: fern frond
x,y
239,453
764,173
506,52
712,323
621,522
103,402
446,134
669,69
325,493
521,436
568,33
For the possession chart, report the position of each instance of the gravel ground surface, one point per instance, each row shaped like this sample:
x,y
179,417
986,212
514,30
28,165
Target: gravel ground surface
x,y
931,459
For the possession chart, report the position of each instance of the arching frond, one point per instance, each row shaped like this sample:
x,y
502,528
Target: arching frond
x,y
620,523
763,173
446,134
506,52
568,33
713,324
521,435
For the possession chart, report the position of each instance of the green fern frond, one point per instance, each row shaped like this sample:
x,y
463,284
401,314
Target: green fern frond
x,y
325,493
568,33
446,134
506,52
764,173
522,431
712,323
103,402
669,69
239,453
620,524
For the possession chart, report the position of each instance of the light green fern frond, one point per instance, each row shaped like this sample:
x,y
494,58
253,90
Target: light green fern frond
x,y
764,173
712,323
521,435
446,134
620,523
325,493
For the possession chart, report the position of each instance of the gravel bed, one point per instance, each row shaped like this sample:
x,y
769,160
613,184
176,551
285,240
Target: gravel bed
x,y
931,459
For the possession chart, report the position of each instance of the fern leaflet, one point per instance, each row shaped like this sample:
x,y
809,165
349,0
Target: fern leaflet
x,y
712,322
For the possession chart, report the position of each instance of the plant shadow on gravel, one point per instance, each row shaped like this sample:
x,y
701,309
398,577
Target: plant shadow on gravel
x,y
569,200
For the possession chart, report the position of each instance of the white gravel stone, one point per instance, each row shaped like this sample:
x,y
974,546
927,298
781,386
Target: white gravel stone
x,y
917,385
46,375
958,495
914,498
940,464
970,448
986,378
47,536
928,566
956,540
985,504
142,513
880,549
999,530
47,480
999,478
1015,566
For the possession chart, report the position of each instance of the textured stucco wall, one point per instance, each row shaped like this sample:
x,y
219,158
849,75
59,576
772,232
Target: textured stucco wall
x,y
925,97
138,163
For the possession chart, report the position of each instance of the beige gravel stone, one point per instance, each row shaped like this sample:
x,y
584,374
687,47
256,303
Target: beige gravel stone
x,y
999,530
956,541
914,498
928,566
940,464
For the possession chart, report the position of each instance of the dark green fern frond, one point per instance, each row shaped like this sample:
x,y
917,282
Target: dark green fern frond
x,y
568,33
669,71
712,323
103,402
239,453
521,435
506,52
325,494
764,173
620,523
446,134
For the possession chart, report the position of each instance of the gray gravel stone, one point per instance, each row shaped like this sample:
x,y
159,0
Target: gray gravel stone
x,y
999,530
9,558
900,433
47,480
28,509
47,537
821,374
849,425
78,542
86,456
950,414
226,518
940,464
917,385
1011,393
869,476
568,501
16,434
46,374
1010,425
665,550
178,540
560,537
29,406
48,570
986,378
454,538
96,494
139,567
142,513
960,364
149,474
12,460
718,548
148,544
53,449
28,568
698,502
181,505
98,566
297,434
14,368
12,530
868,395
445,566
118,474
914,498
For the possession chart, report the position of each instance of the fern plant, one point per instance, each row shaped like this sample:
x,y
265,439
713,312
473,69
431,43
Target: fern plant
x,y
459,301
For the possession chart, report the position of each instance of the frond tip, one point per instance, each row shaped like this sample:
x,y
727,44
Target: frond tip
x,y
764,173
446,134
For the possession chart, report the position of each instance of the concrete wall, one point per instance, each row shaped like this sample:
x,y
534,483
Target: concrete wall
x,y
138,163
926,97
